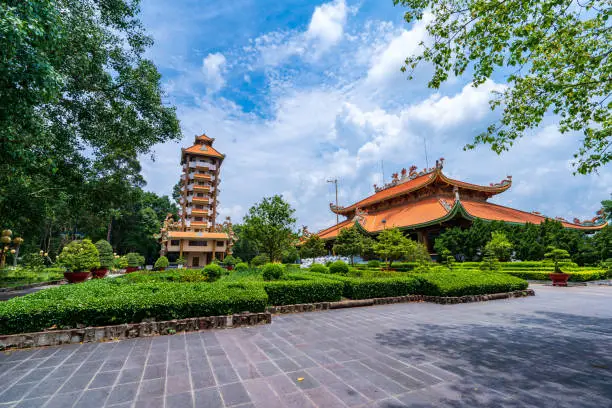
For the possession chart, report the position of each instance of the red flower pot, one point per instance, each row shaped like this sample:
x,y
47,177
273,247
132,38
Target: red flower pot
x,y
99,273
131,269
76,277
559,279
161,269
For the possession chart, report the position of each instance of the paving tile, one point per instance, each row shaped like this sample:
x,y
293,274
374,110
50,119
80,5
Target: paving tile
x,y
130,375
261,393
296,400
155,371
323,398
93,398
282,384
267,368
46,387
157,402
63,400
32,403
202,379
183,400
177,368
152,388
234,394
208,398
112,365
286,365
122,393
225,375
104,379
16,392
178,384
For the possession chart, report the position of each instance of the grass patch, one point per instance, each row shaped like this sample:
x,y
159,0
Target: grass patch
x,y
23,276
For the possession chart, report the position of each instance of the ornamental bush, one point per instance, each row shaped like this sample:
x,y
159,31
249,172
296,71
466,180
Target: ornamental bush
x,y
374,263
109,301
260,260
213,271
107,257
368,287
162,262
273,271
318,268
339,267
242,266
461,283
231,260
80,256
133,259
121,262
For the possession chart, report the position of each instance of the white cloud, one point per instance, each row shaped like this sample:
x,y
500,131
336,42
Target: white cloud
x,y
327,23
213,67
385,65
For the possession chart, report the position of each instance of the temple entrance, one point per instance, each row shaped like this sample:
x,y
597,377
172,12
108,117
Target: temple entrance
x,y
195,261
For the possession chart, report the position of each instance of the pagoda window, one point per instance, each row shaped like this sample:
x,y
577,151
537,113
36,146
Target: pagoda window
x,y
174,242
198,243
198,218
220,243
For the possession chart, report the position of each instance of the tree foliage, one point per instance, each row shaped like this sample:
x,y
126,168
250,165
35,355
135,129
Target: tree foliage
x,y
80,256
499,246
349,242
313,247
556,54
269,225
392,245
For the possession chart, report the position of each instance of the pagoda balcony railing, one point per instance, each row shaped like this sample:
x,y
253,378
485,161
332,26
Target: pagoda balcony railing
x,y
201,189
206,177
200,200
195,212
202,164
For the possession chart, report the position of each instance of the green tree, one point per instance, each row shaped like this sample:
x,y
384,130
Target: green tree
x,y
499,246
269,225
556,54
313,247
606,205
107,257
243,248
392,245
349,242
290,255
558,257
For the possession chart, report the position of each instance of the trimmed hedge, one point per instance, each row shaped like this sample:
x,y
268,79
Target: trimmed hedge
x,y
367,288
319,268
102,302
461,283
575,276
302,289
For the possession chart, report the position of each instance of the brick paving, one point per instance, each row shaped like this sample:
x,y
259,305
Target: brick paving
x,y
551,350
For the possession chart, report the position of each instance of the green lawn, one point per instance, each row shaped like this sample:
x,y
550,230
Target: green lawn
x,y
10,277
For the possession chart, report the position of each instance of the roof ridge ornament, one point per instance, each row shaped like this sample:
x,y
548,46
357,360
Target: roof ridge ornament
x,y
360,215
503,183
410,174
599,219
445,204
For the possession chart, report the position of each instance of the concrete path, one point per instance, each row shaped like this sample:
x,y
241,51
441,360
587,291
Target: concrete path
x,y
551,350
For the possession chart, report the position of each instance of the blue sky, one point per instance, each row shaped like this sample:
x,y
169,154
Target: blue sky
x,y
297,92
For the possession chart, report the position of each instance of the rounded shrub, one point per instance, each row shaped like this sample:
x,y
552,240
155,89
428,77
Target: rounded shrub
x,y
231,260
80,256
339,267
374,263
133,259
273,271
162,262
213,271
260,260
319,268
107,258
242,266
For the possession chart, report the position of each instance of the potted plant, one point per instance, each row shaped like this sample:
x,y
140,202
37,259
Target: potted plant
x,y
230,262
558,257
79,258
107,259
161,263
134,261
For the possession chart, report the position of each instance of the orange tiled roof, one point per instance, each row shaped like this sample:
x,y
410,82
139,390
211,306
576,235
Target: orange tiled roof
x,y
204,138
334,230
196,235
495,212
203,150
418,183
419,213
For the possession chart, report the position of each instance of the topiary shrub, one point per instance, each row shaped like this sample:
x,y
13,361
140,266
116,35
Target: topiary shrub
x,y
133,259
260,260
213,272
231,260
107,257
319,268
339,267
161,263
241,267
273,271
374,263
121,262
80,256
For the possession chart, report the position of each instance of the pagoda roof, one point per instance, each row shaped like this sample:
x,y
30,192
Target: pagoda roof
x,y
204,138
411,183
202,148
432,211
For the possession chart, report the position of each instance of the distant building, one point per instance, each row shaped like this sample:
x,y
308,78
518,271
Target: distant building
x,y
423,204
195,236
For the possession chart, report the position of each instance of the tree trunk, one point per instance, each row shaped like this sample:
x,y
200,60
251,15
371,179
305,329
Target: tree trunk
x,y
109,229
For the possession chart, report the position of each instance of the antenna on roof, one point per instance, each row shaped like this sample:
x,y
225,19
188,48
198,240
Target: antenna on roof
x,y
335,181
426,158
382,171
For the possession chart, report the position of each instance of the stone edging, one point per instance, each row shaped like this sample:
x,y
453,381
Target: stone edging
x,y
31,285
131,330
444,300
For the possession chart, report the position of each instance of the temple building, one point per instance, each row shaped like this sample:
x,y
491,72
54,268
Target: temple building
x,y
196,237
423,204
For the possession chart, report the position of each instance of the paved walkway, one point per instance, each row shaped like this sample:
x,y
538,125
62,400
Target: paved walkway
x,y
551,350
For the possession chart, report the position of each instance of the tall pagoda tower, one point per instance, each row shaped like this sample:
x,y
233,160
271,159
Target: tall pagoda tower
x,y
196,237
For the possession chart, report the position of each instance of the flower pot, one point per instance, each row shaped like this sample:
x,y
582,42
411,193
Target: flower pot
x,y
559,279
99,273
230,267
161,269
76,277
131,269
